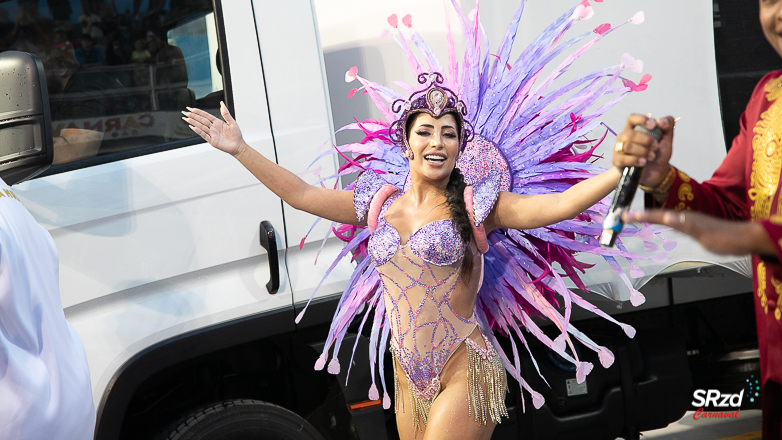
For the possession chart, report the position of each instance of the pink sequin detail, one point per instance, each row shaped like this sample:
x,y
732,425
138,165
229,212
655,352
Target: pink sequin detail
x,y
485,353
481,160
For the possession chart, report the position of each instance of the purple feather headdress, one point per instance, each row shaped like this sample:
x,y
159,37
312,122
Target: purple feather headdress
x,y
434,100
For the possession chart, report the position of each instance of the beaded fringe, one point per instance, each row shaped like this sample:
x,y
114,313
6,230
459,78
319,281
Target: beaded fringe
x,y
419,406
487,382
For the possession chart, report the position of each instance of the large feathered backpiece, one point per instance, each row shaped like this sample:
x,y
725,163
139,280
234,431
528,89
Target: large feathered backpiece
x,y
540,138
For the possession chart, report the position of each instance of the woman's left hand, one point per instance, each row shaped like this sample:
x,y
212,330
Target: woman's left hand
x,y
714,234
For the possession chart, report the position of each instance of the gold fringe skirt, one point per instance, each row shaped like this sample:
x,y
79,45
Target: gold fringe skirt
x,y
487,385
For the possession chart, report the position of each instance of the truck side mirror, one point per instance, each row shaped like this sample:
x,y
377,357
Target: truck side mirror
x,y
26,148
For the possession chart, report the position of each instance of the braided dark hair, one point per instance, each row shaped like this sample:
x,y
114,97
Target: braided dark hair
x,y
454,198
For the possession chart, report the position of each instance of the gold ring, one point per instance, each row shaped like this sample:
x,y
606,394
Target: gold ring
x,y
620,147
681,217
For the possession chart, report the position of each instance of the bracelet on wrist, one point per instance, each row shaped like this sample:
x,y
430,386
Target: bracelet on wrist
x,y
661,190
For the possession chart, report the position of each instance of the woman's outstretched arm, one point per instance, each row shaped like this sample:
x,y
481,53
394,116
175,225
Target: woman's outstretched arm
x,y
633,148
334,205
517,211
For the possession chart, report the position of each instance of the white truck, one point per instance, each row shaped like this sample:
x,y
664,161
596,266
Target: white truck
x,y
183,274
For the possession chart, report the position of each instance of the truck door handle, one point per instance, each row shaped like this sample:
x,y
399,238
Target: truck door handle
x,y
269,242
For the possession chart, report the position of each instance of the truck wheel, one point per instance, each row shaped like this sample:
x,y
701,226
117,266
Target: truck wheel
x,y
242,420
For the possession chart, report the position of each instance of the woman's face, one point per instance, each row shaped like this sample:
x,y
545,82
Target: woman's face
x,y
435,144
771,22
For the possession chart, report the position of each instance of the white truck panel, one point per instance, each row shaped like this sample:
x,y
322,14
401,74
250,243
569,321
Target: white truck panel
x,y
301,117
117,327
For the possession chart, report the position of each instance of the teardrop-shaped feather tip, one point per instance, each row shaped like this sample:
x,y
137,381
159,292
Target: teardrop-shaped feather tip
x,y
582,370
629,330
321,362
537,400
373,394
636,298
351,74
606,357
301,315
334,366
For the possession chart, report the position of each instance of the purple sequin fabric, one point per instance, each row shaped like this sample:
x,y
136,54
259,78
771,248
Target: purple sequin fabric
x,y
484,196
437,243
367,184
482,160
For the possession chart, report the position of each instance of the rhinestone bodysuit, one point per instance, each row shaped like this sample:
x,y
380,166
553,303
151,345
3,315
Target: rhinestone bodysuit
x,y
421,286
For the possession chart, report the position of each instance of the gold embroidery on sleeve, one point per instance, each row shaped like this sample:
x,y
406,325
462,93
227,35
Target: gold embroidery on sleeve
x,y
684,192
774,89
778,306
766,157
761,277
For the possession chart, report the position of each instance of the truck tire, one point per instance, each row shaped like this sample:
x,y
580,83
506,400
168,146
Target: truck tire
x,y
242,420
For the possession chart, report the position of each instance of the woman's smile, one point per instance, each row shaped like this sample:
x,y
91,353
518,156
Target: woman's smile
x,y
434,144
436,160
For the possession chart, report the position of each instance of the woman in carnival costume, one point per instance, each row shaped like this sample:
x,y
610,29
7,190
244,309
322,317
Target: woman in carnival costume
x,y
468,192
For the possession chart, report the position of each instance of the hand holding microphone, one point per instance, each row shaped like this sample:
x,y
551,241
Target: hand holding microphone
x,y
633,151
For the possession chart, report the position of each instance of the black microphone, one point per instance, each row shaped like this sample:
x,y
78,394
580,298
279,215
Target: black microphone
x,y
625,191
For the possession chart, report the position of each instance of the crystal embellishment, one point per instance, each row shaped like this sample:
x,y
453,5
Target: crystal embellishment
x,y
437,100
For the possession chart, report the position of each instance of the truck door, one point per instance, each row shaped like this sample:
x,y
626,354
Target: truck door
x,y
158,233
300,108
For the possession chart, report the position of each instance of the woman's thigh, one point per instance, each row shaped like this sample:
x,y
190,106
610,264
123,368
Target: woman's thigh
x,y
449,417
404,416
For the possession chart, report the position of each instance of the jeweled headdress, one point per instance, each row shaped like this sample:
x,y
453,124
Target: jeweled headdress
x,y
435,100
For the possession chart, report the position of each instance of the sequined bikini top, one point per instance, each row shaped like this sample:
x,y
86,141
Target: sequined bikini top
x,y
436,242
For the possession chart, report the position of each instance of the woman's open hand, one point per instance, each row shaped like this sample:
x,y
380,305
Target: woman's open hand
x,y
223,135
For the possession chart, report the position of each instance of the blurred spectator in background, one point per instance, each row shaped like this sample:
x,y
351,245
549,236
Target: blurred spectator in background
x,y
116,54
75,92
140,52
153,44
90,54
61,41
171,68
140,57
90,22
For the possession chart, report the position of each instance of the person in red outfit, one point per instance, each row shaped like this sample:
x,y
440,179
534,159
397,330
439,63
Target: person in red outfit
x,y
737,211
